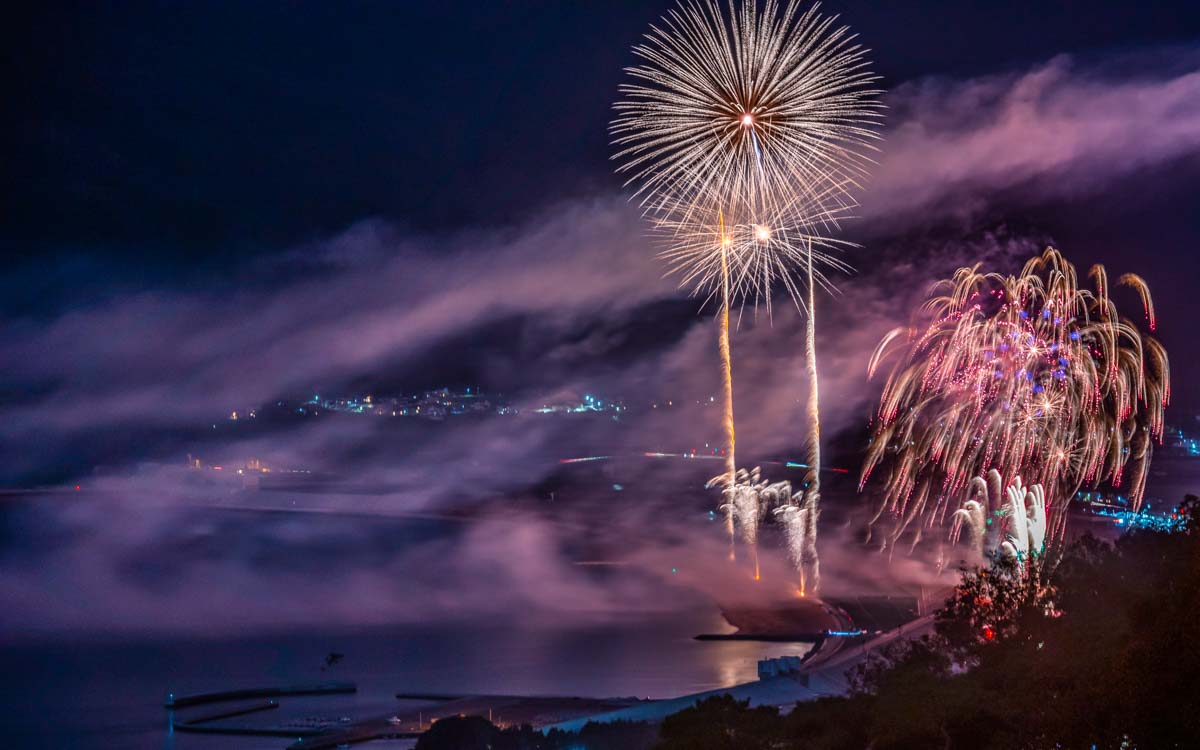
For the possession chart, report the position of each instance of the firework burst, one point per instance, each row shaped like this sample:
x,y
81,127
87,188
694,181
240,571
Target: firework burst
x,y
1032,376
745,110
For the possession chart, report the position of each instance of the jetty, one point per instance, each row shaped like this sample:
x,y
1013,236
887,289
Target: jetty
x,y
322,688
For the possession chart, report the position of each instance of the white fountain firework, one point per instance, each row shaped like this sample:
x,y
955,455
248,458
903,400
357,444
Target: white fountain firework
x,y
743,505
1002,521
750,498
795,513
742,500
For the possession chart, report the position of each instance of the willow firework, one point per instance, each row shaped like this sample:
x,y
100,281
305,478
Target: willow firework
x,y
1032,376
747,132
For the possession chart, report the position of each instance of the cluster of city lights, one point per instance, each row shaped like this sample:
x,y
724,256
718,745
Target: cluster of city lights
x,y
1115,508
589,404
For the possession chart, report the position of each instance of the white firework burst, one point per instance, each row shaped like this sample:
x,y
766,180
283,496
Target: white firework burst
x,y
746,118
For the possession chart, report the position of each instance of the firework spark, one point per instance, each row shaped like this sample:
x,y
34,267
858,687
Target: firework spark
x,y
750,498
1033,376
741,263
763,118
747,132
743,111
1011,525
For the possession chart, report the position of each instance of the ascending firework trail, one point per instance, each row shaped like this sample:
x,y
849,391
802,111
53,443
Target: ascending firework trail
x,y
727,382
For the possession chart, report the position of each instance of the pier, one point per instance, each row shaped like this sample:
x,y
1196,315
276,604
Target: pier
x,y
323,688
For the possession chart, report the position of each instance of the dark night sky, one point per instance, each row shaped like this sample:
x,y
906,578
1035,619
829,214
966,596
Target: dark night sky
x,y
183,135
160,156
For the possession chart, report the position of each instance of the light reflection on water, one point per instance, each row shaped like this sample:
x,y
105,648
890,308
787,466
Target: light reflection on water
x,y
87,694
110,695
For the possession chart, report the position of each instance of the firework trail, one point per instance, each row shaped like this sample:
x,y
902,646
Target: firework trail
x,y
811,574
727,383
982,497
1032,376
747,132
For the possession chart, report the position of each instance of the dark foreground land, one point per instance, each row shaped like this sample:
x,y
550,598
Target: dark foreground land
x,y
1090,648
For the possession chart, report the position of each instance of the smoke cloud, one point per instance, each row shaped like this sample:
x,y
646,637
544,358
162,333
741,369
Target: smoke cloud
x,y
478,518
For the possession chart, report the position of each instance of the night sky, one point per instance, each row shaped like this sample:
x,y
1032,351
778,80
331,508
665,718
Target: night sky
x,y
162,146
166,139
210,206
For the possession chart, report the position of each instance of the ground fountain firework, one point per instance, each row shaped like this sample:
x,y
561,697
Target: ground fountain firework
x,y
750,499
1003,521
